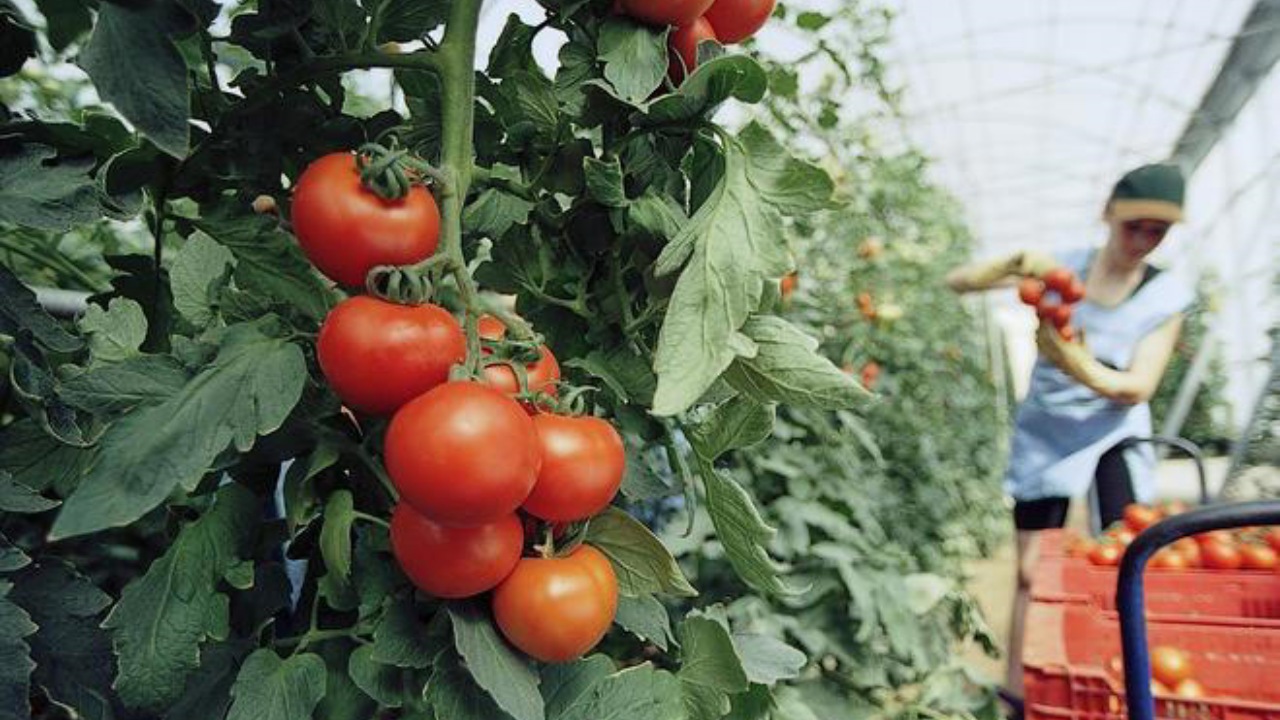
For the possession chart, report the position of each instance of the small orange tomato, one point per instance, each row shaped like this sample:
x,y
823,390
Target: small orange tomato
x,y
1190,689
1220,556
1170,665
1139,517
1258,557
1106,555
1169,559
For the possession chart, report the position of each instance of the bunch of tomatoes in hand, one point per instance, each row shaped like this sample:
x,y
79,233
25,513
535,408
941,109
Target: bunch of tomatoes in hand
x,y
1243,549
694,22
1053,296
467,456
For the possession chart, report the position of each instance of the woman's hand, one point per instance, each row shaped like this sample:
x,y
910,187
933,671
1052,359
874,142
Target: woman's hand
x,y
1000,272
1135,385
1070,356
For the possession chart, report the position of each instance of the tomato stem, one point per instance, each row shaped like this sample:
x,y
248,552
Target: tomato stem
x,y
371,519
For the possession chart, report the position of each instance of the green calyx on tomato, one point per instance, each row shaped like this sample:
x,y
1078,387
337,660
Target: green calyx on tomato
x,y
463,454
346,230
556,609
540,376
378,355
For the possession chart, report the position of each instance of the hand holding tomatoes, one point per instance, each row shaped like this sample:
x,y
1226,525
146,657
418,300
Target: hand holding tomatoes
x,y
1053,295
345,229
556,609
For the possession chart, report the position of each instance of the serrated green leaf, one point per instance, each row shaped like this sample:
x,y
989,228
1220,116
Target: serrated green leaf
x,y
646,618
792,186
197,270
407,20
39,461
742,532
640,560
208,691
710,670
635,58
19,310
248,390
401,638
754,704
11,556
513,52
713,82
637,693
604,181
18,498
453,694
300,501
74,662
493,213
626,373
563,684
384,683
787,369
343,698
739,423
335,536
136,67
767,660
577,65
268,688
15,660
115,333
133,381
812,20
657,215
496,667
38,193
65,20
790,706
164,617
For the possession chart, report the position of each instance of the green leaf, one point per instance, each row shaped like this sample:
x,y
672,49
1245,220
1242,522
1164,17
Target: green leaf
x,y
792,186
269,262
925,590
637,693
19,311
496,667
17,40
248,390
564,683
18,498
767,660
643,564
627,374
37,193
39,461
407,20
812,20
300,501
163,617
136,67
208,691
11,557
755,704
710,669
604,181
384,683
788,369
713,82
739,423
493,213
65,20
74,662
741,531
513,52
791,706
115,333
343,698
646,618
134,381
454,695
198,272
335,536
15,661
577,66
269,688
656,215
635,58
534,108
401,638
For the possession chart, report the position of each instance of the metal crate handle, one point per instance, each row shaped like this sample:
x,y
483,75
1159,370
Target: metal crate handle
x,y
1129,595
1187,447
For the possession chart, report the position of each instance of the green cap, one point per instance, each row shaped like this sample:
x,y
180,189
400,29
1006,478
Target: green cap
x,y
1151,192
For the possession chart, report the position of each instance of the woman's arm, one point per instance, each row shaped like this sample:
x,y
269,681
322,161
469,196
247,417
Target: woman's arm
x,y
1132,386
1000,272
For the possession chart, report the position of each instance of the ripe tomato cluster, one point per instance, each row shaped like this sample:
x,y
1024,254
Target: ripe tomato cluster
x,y
1172,672
1053,296
1244,549
697,21
467,456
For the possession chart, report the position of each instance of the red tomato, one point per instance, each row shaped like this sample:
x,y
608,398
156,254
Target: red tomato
x,y
1169,559
788,285
1189,549
542,375
1220,556
1059,315
1074,292
1190,689
463,454
683,48
1273,538
870,373
582,466
1258,557
1068,333
1030,291
1122,535
666,12
556,609
1170,665
1139,517
345,229
455,562
737,20
378,355
1106,555
1169,508
1059,280
1215,536
866,305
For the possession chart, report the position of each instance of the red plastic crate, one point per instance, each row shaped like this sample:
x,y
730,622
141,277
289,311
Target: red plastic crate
x,y
1243,597
1068,647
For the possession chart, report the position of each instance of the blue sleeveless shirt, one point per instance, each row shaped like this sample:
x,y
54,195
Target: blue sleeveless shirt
x,y
1062,428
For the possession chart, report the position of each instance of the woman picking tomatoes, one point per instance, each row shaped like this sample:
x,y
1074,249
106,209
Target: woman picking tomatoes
x,y
1084,401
